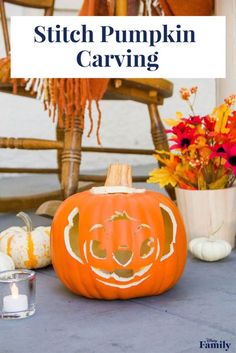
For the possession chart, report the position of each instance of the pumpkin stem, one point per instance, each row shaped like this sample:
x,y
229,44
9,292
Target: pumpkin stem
x,y
119,175
212,235
27,220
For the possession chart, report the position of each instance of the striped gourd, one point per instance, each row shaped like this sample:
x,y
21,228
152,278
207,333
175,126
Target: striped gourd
x,y
28,247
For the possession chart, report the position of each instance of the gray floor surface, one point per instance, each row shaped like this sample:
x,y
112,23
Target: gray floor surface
x,y
201,306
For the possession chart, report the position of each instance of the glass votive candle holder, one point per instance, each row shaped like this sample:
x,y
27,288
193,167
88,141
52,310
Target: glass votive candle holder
x,y
17,294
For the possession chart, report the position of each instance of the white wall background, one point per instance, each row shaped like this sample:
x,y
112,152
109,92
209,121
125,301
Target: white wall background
x,y
124,124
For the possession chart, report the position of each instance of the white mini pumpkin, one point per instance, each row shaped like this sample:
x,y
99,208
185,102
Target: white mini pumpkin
x,y
28,247
209,249
6,262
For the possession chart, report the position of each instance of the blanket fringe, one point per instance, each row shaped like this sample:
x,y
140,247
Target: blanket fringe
x,y
64,99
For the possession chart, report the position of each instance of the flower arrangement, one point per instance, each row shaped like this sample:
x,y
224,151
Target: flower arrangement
x,y
203,151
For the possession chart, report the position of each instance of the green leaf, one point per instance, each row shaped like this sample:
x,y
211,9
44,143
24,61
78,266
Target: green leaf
x,y
201,182
220,183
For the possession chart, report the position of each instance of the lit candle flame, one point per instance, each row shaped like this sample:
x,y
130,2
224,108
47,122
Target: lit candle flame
x,y
14,291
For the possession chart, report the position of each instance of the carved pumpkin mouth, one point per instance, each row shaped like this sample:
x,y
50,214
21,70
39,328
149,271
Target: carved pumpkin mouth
x,y
127,285
121,275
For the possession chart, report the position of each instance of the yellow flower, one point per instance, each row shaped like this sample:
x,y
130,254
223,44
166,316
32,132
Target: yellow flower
x,y
162,176
176,121
201,141
221,115
169,159
166,174
205,153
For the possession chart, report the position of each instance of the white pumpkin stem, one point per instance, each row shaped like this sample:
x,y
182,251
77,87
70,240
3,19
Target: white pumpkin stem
x,y
211,238
27,220
119,175
212,235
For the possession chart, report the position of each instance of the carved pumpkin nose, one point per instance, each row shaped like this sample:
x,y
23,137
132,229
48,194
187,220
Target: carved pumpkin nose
x,y
123,256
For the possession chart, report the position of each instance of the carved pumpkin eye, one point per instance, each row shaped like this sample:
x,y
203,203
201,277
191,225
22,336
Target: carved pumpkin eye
x,y
147,248
96,250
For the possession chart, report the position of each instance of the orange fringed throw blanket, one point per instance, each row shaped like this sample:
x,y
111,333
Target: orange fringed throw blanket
x,y
187,8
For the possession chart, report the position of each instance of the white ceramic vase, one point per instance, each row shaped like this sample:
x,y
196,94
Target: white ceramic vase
x,y
207,212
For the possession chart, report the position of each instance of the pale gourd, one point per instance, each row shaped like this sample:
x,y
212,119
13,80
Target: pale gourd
x,y
28,247
6,262
209,249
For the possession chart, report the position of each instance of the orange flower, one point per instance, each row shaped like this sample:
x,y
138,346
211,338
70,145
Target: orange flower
x,y
183,185
230,100
185,171
185,94
194,89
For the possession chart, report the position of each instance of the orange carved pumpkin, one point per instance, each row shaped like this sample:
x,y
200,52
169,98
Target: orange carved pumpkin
x,y
117,242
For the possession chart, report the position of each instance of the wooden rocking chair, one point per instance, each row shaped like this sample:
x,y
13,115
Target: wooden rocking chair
x,y
151,92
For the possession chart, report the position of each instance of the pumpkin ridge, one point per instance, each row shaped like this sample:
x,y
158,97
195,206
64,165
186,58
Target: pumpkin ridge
x,y
32,260
179,261
149,196
109,205
97,210
72,204
9,241
175,273
47,231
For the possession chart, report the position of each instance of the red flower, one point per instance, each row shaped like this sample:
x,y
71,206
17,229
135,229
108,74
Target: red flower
x,y
194,120
228,152
232,120
184,138
181,127
209,123
218,151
